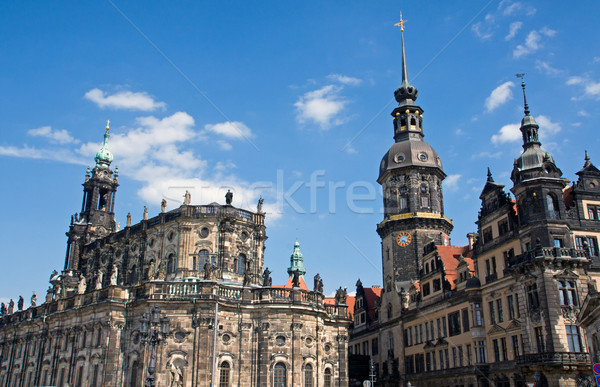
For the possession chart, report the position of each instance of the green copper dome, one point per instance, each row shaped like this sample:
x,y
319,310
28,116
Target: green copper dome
x,y
104,157
296,261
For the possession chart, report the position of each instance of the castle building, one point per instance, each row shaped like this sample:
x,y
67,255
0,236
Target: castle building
x,y
502,310
182,298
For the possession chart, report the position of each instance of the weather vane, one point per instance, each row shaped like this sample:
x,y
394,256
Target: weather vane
x,y
400,23
520,75
107,124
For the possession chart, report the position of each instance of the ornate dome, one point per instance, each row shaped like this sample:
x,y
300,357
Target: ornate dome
x,y
409,153
103,156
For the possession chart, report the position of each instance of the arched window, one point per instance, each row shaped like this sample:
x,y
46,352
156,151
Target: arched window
x,y
279,375
134,372
203,256
389,311
171,264
308,376
413,123
552,205
224,374
327,378
241,264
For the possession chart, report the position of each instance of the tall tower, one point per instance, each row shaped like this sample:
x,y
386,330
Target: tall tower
x,y
411,176
538,189
97,217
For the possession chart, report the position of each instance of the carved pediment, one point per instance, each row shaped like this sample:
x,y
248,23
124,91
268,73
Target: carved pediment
x,y
514,325
566,274
495,329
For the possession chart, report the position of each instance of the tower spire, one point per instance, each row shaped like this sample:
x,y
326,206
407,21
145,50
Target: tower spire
x,y
404,71
526,107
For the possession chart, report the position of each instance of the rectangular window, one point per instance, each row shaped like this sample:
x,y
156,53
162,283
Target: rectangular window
x,y
424,202
503,348
511,307
494,271
515,346
410,337
502,227
469,358
517,307
487,235
365,348
406,337
532,296
500,312
433,362
437,286
477,315
428,361
444,329
447,358
573,338
439,328
539,338
488,268
454,357
480,356
566,292
375,346
420,333
496,350
454,323
431,331
426,289
465,319
460,356
593,212
441,359
592,243
492,312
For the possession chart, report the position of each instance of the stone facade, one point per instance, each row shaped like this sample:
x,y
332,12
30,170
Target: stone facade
x,y
502,310
199,270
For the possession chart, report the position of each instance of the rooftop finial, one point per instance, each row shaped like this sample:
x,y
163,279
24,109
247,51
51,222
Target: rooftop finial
x,y
522,76
489,175
404,71
587,159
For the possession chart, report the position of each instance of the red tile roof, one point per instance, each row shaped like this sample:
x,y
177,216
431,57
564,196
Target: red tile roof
x,y
568,196
350,300
450,256
373,295
288,284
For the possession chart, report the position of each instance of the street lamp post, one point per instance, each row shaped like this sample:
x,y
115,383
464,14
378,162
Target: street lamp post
x,y
154,329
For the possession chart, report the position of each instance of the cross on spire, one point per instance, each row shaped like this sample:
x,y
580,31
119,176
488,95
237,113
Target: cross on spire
x,y
400,23
522,76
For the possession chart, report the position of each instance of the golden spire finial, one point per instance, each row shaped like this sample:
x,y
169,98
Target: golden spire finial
x,y
401,23
107,125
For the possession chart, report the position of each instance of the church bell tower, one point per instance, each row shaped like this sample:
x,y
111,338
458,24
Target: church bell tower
x,y
97,217
411,176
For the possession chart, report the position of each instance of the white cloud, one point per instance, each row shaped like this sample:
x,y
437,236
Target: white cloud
x,y
547,127
224,145
234,130
321,106
344,79
513,29
485,29
28,152
451,182
532,42
487,155
510,7
507,133
499,96
583,113
591,89
126,100
56,136
545,67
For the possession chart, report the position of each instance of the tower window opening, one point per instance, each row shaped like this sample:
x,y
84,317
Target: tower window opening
x,y
241,263
402,122
552,205
413,123
171,264
102,199
424,202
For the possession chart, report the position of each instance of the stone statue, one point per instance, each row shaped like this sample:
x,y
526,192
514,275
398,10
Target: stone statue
x,y
247,279
57,292
34,299
208,268
187,198
99,277
11,306
3,309
114,275
317,279
228,197
267,277
340,296
404,298
76,217
81,287
161,271
176,376
151,270
259,205
71,219
163,206
129,219
145,213
296,279
118,226
53,275
49,294
20,303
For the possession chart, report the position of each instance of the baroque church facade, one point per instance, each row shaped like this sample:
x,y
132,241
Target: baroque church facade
x,y
179,299
505,309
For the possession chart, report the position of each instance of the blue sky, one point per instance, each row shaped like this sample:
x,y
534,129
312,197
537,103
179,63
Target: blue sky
x,y
271,100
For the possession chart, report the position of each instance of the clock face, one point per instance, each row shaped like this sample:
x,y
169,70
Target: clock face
x,y
404,239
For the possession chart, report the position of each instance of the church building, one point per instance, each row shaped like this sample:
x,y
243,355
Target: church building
x,y
182,298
